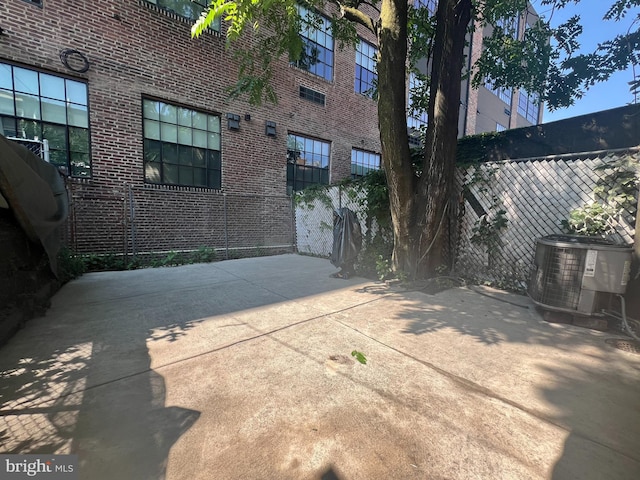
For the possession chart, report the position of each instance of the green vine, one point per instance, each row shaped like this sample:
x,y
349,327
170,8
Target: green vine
x,y
488,228
306,198
615,194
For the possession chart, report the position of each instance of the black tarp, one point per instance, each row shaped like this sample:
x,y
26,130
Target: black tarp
x,y
347,238
35,192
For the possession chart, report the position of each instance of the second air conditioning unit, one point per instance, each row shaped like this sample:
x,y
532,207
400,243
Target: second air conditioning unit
x,y
578,274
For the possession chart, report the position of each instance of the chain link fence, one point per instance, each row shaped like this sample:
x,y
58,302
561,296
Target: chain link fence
x,y
506,206
314,218
511,204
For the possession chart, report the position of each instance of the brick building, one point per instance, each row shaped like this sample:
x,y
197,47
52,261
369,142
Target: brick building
x,y
137,115
157,157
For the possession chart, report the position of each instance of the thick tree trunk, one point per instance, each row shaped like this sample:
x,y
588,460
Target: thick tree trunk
x,y
392,43
435,202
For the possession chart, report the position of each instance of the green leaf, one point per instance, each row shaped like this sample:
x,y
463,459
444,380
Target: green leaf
x,y
359,357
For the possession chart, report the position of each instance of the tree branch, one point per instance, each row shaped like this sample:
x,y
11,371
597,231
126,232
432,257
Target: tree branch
x,y
354,15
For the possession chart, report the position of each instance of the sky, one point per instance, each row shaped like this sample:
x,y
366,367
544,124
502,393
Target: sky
x,y
603,96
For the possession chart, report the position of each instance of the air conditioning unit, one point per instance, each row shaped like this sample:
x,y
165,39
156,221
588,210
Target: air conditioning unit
x,y
578,274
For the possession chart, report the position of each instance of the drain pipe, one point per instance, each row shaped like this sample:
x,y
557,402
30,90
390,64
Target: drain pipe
x,y
623,311
226,227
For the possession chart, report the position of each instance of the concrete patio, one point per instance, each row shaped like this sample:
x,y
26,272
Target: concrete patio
x,y
243,370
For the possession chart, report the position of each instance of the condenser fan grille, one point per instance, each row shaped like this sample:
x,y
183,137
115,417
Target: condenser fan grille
x,y
578,274
557,280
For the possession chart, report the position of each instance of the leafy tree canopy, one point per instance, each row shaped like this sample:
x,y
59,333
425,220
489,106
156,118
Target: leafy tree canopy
x,y
544,62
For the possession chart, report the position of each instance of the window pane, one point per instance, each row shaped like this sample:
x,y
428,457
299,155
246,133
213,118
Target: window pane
x,y
29,129
185,175
79,140
6,79
52,87
76,92
171,174
151,109
199,138
6,102
152,129
214,160
169,153
184,135
78,115
54,111
56,135
184,155
80,164
152,172
25,80
199,120
27,106
214,141
214,123
152,158
200,157
168,113
214,179
169,133
58,158
8,127
200,177
184,117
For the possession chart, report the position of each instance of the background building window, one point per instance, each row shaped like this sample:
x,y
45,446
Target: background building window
x,y
35,105
417,116
503,93
500,128
187,9
181,146
317,52
366,76
529,106
307,162
362,162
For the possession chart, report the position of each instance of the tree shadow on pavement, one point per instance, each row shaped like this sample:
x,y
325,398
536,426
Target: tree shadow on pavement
x,y
599,408
579,382
58,396
82,380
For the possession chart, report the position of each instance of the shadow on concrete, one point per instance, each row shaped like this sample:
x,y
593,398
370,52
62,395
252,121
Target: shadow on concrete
x,y
602,418
80,380
330,474
594,397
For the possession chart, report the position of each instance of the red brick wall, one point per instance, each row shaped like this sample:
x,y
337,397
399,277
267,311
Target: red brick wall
x,y
136,50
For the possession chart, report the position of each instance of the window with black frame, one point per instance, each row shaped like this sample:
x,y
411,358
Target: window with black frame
x,y
307,162
181,146
188,9
40,106
363,162
366,74
529,105
317,52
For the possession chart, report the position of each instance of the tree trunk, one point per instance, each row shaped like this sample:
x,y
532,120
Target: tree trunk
x,y
435,202
396,158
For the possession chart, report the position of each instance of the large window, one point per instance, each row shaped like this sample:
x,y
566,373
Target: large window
x,y
529,106
317,54
366,76
362,162
188,9
181,146
36,105
307,162
503,93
